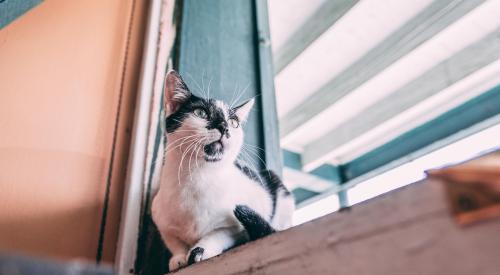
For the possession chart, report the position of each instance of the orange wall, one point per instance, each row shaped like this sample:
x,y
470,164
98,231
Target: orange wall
x,y
62,74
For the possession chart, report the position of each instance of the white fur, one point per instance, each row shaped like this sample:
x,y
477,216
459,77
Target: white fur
x,y
195,201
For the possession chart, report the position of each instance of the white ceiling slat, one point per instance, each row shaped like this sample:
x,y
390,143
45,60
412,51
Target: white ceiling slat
x,y
321,20
470,28
286,17
300,179
416,31
359,30
451,97
443,75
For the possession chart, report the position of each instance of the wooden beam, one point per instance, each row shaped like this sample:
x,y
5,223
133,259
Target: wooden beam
x,y
441,76
320,21
372,238
467,119
432,20
269,114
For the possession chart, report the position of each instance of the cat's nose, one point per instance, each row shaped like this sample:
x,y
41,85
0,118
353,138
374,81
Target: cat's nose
x,y
224,131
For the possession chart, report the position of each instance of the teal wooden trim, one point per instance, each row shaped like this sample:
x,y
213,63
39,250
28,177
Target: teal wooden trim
x,y
292,160
12,9
466,115
217,49
302,194
327,172
269,114
317,24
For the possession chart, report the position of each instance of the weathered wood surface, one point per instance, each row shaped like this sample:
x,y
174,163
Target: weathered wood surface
x,y
408,231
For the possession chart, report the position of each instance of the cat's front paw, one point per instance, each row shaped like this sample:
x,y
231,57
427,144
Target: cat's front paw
x,y
176,262
198,254
195,255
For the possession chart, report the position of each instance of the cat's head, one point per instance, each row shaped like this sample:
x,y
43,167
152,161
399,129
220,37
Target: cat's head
x,y
206,129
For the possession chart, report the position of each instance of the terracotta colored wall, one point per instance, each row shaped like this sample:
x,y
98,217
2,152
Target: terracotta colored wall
x,y
62,74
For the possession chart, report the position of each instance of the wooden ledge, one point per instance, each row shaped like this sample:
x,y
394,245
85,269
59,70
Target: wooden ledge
x,y
407,231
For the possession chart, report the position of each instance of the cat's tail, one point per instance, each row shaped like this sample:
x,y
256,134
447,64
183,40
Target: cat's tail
x,y
255,225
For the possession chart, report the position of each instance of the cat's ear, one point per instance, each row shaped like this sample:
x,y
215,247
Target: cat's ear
x,y
176,92
243,110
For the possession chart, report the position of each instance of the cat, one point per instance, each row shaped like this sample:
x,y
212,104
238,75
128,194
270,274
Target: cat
x,y
208,201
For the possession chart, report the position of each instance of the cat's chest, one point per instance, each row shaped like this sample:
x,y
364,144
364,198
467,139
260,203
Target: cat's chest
x,y
211,198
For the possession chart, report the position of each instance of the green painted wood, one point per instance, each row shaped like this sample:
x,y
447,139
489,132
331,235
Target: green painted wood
x,y
302,194
330,173
417,142
319,22
292,160
217,52
445,74
269,113
433,19
12,9
327,172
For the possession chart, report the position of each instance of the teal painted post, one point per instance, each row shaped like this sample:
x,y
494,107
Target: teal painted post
x,y
266,82
220,51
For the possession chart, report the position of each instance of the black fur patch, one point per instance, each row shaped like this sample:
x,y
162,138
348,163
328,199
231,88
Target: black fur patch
x,y
195,255
269,180
217,118
215,115
256,226
273,185
248,171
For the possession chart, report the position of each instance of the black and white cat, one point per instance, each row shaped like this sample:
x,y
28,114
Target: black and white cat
x,y
207,201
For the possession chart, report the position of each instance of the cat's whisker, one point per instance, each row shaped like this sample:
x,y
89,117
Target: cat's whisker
x,y
195,82
170,145
252,166
254,146
179,146
242,93
182,142
178,140
255,154
198,151
182,162
231,103
235,94
203,81
208,89
191,156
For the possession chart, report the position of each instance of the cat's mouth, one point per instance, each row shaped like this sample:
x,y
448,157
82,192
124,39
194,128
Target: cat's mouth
x,y
213,151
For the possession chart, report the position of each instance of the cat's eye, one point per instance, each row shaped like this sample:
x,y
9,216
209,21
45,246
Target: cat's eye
x,y
200,113
234,123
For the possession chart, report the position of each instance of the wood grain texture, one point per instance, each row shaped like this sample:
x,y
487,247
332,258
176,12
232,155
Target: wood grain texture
x,y
408,231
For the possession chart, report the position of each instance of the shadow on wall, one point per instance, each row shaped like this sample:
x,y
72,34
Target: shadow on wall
x,y
53,235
